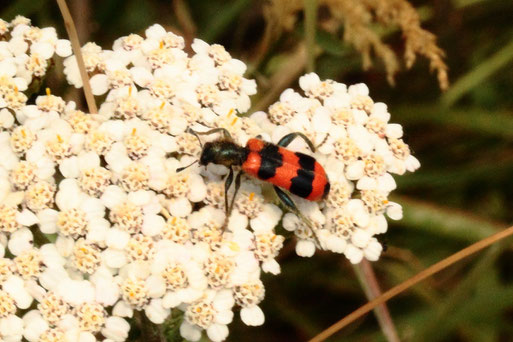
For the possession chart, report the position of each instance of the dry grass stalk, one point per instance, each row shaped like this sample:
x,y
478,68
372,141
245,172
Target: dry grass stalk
x,y
417,40
75,43
358,18
428,272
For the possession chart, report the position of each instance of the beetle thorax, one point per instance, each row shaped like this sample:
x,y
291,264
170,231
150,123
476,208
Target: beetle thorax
x,y
222,152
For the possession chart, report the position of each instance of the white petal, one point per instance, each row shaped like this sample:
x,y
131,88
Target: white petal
x,y
354,254
27,218
64,245
308,81
394,131
69,167
217,332
386,183
35,325
140,198
290,222
394,211
271,266
252,316
142,76
190,332
31,111
373,250
116,329
321,121
180,207
51,277
11,327
76,292
360,238
63,48
114,258
99,84
366,183
224,317
355,170
117,238
113,196
336,244
305,248
66,197
21,240
107,291
14,286
6,118
223,300
37,292
153,225
155,31
156,312
45,50
122,309
198,189
156,286
51,256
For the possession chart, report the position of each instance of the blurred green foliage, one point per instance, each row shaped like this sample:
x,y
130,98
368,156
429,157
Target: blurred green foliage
x,y
463,138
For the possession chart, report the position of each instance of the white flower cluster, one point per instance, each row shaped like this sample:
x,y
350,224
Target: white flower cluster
x,y
359,149
96,222
26,52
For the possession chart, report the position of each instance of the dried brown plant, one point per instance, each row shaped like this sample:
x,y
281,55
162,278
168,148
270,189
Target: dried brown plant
x,y
359,19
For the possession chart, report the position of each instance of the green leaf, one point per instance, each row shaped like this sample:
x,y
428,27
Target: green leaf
x,y
480,120
444,222
221,20
478,75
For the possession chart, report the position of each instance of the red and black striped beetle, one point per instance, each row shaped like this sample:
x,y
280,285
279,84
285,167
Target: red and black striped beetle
x,y
295,172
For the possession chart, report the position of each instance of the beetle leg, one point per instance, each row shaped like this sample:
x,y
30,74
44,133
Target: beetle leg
x,y
227,184
289,203
237,187
225,132
229,209
286,140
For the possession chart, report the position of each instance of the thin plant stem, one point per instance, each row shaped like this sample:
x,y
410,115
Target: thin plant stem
x,y
75,44
370,285
81,11
184,17
450,260
310,30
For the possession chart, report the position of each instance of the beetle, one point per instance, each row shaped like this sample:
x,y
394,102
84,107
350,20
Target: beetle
x,y
288,171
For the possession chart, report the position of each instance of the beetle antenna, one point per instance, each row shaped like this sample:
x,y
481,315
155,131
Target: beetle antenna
x,y
180,169
193,132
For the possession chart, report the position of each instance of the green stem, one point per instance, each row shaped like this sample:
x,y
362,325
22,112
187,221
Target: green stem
x,y
171,327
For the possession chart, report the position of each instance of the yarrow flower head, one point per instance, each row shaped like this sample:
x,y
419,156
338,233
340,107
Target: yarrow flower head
x,y
360,149
130,231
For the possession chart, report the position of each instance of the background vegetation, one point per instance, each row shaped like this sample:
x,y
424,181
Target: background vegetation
x,y
463,138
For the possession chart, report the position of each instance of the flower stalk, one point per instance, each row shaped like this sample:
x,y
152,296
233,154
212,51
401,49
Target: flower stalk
x,y
75,43
398,289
